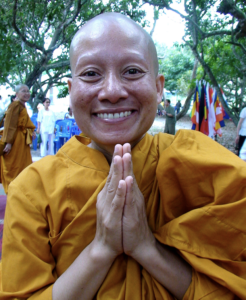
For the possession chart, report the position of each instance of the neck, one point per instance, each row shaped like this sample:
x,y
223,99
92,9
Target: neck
x,y
22,102
108,150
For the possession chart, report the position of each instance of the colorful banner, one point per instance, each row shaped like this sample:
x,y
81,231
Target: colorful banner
x,y
207,113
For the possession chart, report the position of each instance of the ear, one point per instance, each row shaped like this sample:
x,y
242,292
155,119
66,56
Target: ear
x,y
160,81
69,83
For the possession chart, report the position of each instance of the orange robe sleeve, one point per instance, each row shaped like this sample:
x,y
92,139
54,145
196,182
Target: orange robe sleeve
x,y
203,196
11,122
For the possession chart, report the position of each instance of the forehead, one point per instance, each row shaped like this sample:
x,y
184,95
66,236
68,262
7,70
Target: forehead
x,y
107,37
24,88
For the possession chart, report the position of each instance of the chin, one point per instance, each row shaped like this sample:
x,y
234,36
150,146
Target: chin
x,y
122,139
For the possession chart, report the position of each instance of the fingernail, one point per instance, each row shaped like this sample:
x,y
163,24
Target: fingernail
x,y
119,185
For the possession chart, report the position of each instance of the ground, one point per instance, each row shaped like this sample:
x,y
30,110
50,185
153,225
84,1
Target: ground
x,y
227,140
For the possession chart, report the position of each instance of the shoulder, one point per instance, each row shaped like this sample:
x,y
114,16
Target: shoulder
x,y
43,179
13,105
191,145
243,113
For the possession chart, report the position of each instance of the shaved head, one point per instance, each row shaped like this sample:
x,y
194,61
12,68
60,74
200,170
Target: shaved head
x,y
96,27
115,86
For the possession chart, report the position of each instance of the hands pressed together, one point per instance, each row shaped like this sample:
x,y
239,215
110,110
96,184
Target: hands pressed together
x,y
121,218
122,227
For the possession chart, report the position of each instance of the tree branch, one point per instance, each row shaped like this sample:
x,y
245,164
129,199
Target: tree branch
x,y
237,44
23,38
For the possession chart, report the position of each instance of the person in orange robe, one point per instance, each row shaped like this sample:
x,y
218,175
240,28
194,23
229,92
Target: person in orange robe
x,y
17,134
117,213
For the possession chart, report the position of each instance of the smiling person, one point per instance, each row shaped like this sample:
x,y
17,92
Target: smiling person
x,y
17,134
120,214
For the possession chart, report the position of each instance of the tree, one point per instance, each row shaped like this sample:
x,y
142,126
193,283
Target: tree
x,y
35,38
218,41
176,63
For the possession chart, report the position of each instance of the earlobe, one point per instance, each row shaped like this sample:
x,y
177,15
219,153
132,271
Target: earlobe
x,y
160,82
69,83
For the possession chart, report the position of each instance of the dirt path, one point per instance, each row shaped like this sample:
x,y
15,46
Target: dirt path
x,y
228,132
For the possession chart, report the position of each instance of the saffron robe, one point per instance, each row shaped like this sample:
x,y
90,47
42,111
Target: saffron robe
x,y
195,195
18,129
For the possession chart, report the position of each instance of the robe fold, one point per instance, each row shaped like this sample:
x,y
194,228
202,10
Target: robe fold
x,y
18,129
195,197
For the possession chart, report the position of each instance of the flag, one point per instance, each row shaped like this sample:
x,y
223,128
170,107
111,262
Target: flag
x,y
218,114
225,115
195,111
203,111
211,113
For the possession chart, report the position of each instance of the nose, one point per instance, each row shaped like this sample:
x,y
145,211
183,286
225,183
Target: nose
x,y
113,89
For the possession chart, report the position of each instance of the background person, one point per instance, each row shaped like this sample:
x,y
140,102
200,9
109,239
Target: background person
x,y
69,114
46,126
178,107
40,106
241,130
17,134
169,112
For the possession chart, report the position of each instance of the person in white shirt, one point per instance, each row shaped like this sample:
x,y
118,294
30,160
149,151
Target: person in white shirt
x,y
69,114
241,130
46,126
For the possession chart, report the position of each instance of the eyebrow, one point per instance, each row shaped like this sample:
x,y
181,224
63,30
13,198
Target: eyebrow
x,y
91,57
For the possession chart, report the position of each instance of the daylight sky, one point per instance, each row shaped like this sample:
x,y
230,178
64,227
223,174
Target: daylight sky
x,y
169,28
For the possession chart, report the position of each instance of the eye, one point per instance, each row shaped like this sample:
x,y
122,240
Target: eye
x,y
90,74
134,73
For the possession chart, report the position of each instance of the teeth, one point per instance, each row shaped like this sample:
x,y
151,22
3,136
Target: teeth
x,y
114,116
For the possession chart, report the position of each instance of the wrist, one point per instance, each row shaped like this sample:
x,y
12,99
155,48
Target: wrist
x,y
101,254
145,251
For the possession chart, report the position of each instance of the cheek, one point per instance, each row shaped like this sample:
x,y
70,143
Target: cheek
x,y
147,96
81,94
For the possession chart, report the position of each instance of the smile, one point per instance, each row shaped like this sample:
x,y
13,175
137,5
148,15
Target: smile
x,y
115,115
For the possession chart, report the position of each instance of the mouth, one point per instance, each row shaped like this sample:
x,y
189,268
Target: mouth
x,y
117,115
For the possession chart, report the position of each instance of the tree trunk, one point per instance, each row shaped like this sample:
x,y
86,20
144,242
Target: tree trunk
x,y
186,106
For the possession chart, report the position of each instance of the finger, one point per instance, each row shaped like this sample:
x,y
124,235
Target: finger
x,y
126,148
115,177
127,165
119,200
118,150
129,191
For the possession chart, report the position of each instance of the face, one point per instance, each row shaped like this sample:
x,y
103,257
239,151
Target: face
x,y
167,103
24,94
46,103
114,90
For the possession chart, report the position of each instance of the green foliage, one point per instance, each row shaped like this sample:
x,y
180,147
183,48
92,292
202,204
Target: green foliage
x,y
34,49
216,34
63,92
176,65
